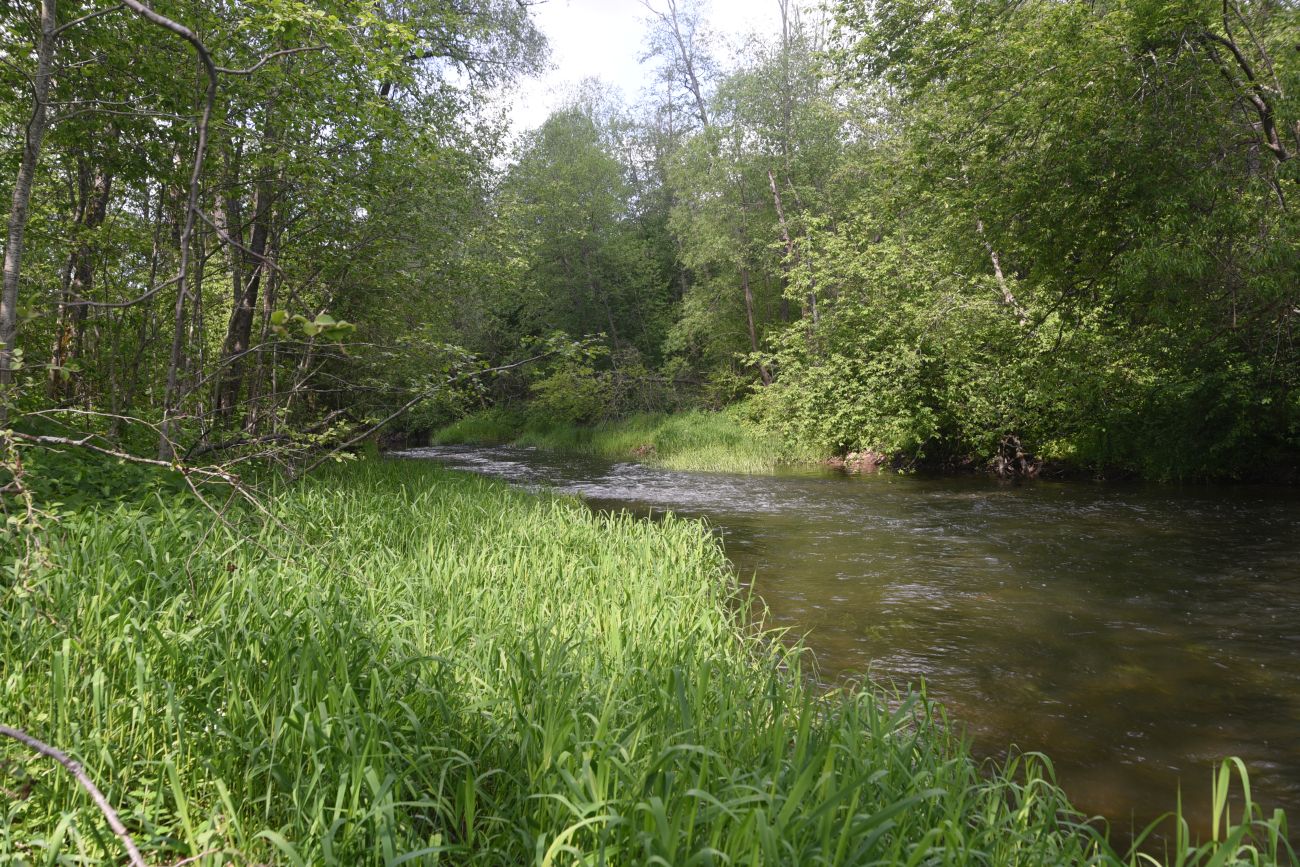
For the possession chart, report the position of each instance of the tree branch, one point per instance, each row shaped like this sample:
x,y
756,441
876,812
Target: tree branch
x,y
1255,93
265,59
58,31
74,768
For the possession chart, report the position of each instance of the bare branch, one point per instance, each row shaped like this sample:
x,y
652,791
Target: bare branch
x,y
117,305
74,768
85,443
267,58
58,31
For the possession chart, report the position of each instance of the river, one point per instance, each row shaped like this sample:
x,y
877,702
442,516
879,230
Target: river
x,y
1135,633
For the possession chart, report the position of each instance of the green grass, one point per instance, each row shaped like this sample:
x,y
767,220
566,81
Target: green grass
x,y
434,668
494,426
722,441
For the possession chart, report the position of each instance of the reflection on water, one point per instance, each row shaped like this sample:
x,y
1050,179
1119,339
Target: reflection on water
x,y
1137,634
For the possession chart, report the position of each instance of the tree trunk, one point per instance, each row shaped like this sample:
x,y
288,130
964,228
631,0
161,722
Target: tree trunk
x,y
684,57
599,294
265,360
124,400
749,320
22,200
240,329
171,397
95,185
788,264
742,244
685,48
1008,298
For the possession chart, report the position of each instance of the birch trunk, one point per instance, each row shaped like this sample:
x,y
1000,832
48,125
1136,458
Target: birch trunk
x,y
22,198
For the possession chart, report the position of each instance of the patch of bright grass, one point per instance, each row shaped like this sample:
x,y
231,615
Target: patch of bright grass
x,y
494,426
433,668
696,440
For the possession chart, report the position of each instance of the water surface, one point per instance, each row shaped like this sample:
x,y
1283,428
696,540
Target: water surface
x,y
1135,633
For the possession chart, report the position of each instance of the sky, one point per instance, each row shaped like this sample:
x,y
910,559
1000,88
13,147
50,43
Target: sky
x,y
605,39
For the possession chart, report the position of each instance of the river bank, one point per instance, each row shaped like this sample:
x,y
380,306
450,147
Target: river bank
x,y
724,441
417,666
695,440
732,440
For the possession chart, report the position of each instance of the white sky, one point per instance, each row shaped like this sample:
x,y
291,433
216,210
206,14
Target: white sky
x,y
604,39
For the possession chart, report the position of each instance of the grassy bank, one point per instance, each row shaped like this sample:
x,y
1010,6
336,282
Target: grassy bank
x,y
433,668
695,440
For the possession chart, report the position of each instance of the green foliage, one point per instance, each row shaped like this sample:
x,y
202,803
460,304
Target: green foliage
x,y
569,391
323,326
773,121
340,177
586,264
1061,235
73,479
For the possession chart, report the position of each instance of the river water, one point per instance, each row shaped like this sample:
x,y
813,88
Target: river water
x,y
1135,633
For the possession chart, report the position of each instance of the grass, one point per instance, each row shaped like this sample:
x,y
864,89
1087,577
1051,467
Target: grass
x,y
722,441
493,426
434,668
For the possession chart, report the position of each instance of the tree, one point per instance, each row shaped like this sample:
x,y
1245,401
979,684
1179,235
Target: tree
x,y
1080,186
33,137
247,172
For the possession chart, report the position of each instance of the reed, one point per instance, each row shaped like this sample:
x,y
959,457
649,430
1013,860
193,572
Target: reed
x,y
421,667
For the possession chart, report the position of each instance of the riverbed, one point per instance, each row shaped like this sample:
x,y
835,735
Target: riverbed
x,y
1137,634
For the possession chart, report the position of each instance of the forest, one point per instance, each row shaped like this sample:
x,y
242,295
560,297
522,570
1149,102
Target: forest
x,y
945,237
252,245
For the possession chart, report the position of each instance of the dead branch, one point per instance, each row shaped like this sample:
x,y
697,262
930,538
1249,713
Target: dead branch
x,y
242,442
74,768
1008,298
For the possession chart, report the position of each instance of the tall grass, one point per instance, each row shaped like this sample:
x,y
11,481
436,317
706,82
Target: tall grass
x,y
694,440
493,426
433,668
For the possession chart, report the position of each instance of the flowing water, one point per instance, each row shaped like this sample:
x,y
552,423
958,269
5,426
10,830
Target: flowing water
x,y
1135,633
